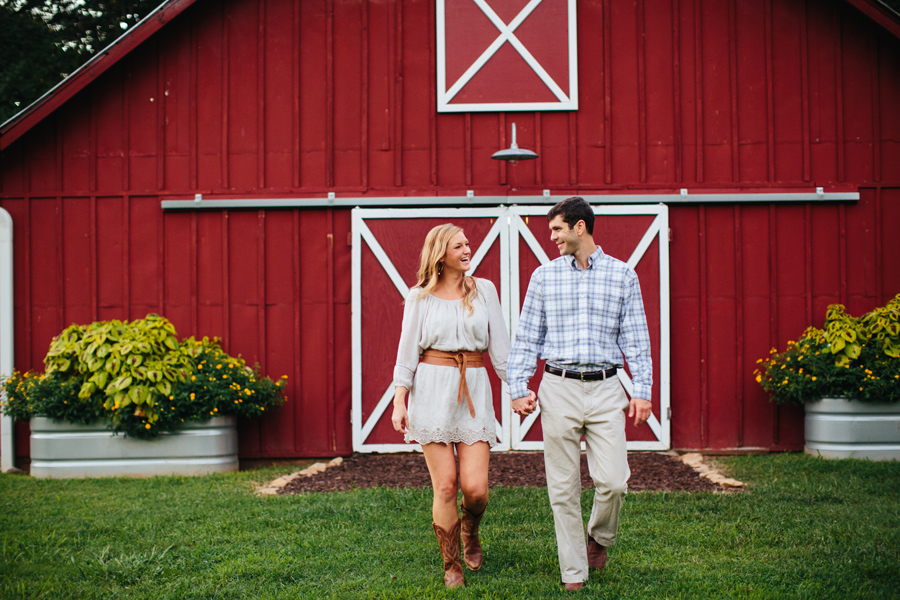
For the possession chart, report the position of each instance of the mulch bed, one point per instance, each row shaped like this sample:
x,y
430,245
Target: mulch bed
x,y
650,471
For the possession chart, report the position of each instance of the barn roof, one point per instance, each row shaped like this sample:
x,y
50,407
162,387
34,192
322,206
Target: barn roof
x,y
31,115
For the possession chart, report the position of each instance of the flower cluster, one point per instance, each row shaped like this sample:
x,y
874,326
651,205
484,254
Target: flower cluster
x,y
28,394
818,365
215,384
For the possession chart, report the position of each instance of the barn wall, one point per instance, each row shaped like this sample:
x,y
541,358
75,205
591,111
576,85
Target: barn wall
x,y
262,99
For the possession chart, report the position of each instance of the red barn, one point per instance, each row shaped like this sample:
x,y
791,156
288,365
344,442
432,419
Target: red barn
x,y
265,171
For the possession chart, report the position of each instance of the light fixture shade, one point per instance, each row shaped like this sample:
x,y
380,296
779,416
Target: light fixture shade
x,y
514,153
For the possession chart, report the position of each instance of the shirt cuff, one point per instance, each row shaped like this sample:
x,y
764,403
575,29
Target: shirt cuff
x,y
518,390
642,391
403,377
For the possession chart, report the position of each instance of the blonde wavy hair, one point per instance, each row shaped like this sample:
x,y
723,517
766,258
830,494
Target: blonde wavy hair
x,y
433,251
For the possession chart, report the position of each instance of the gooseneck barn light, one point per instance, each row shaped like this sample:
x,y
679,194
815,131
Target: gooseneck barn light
x,y
514,154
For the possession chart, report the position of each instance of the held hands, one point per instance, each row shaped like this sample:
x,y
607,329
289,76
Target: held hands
x,y
640,410
525,405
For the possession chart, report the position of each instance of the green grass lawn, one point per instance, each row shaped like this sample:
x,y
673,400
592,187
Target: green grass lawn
x,y
805,528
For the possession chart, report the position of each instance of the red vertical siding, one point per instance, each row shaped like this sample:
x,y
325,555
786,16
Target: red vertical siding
x,y
259,99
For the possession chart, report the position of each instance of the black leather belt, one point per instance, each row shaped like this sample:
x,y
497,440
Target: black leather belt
x,y
582,375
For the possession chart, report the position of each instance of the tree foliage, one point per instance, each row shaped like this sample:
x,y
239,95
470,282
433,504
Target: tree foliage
x,y
43,41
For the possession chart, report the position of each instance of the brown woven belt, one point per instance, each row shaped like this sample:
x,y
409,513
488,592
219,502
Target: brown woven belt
x,y
459,359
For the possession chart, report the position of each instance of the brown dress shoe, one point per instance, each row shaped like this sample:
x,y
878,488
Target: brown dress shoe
x,y
448,542
596,554
471,544
574,586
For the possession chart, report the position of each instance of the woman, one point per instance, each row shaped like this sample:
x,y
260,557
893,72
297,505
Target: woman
x,y
449,320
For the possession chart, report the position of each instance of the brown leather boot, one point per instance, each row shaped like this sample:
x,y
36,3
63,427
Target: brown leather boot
x,y
448,541
471,544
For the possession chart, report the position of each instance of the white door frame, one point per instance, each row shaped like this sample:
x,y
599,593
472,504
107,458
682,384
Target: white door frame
x,y
659,227
507,229
499,232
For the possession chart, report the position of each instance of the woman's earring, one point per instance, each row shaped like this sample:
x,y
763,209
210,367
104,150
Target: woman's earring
x,y
440,268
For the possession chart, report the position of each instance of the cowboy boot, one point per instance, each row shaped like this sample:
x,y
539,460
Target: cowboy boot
x,y
471,544
448,542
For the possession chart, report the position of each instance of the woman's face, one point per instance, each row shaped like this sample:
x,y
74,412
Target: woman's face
x,y
458,254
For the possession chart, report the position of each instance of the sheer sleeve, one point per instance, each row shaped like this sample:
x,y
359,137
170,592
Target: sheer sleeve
x,y
408,349
498,340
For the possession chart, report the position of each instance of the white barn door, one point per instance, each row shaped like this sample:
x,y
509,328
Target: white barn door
x,y
386,247
637,235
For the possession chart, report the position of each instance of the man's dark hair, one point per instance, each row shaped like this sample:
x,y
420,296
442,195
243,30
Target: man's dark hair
x,y
572,210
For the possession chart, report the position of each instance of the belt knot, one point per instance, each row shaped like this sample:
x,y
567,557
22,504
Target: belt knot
x,y
460,359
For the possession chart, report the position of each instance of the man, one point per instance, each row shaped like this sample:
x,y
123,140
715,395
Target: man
x,y
582,312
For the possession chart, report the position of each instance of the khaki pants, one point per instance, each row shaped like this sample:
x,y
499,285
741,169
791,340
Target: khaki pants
x,y
595,409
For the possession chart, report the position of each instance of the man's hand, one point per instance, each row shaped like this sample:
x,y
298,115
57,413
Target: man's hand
x,y
525,405
640,410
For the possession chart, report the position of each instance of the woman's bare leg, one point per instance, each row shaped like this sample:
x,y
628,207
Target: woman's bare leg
x,y
473,475
442,468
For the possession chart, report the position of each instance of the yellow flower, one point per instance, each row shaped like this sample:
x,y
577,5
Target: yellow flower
x,y
147,426
193,378
193,395
814,378
219,366
758,378
246,391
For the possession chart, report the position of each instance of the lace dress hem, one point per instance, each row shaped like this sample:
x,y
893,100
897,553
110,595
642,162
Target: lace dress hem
x,y
454,436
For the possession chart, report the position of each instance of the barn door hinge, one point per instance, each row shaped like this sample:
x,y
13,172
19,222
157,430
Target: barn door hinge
x,y
669,413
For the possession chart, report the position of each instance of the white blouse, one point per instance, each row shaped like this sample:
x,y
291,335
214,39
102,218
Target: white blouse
x,y
431,322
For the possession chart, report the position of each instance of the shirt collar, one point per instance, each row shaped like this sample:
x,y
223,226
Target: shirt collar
x,y
593,259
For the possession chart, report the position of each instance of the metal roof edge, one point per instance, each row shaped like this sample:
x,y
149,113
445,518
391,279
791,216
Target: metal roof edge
x,y
879,12
31,115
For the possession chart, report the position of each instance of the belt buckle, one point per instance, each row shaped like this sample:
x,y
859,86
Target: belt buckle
x,y
581,375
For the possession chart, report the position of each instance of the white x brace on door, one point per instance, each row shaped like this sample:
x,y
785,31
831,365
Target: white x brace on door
x,y
506,249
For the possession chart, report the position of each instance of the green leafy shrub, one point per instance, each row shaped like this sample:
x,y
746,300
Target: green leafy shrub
x,y
850,357
140,378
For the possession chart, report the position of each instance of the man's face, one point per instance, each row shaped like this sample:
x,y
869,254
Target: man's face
x,y
565,238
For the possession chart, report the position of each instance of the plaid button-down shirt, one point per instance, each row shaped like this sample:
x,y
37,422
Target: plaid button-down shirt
x,y
582,321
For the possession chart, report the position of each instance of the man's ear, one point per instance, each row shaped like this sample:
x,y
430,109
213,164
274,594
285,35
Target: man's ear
x,y
580,227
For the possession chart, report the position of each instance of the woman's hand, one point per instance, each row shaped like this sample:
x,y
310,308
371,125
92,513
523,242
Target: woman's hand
x,y
400,418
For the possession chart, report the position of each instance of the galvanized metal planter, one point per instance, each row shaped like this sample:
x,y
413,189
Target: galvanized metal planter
x,y
839,428
63,450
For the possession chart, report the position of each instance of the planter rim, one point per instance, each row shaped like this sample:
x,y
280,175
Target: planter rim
x,y
41,423
851,407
